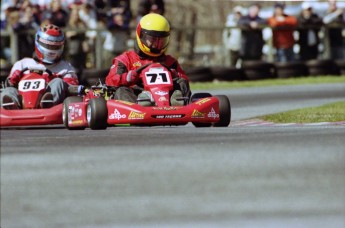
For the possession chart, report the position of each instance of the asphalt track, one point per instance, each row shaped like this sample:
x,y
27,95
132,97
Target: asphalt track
x,y
181,176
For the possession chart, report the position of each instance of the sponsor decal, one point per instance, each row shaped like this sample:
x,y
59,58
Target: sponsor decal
x,y
117,115
161,93
174,116
137,64
197,114
136,116
166,108
80,112
212,114
76,122
203,101
51,42
125,102
162,99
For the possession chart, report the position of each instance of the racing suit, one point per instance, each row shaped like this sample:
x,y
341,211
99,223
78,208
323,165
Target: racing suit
x,y
63,76
130,61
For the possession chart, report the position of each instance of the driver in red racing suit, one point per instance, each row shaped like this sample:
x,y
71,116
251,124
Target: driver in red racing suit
x,y
152,39
49,46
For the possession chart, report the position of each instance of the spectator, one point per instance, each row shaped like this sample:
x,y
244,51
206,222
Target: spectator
x,y
76,45
335,19
118,34
150,6
30,16
252,39
55,15
283,26
309,23
232,37
20,21
88,15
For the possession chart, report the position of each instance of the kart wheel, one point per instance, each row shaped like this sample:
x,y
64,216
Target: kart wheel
x,y
97,114
224,111
195,97
66,103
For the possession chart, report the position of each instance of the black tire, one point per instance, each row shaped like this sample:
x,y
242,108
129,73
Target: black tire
x,y
256,70
90,77
224,111
227,73
66,103
340,66
289,70
199,74
97,114
195,97
322,67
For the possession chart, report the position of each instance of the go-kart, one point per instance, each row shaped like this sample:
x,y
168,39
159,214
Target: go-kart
x,y
31,88
98,109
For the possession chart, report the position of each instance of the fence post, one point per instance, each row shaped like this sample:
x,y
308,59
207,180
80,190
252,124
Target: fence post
x,y
14,46
99,53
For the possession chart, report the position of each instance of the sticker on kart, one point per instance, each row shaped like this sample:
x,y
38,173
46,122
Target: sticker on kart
x,y
31,85
157,76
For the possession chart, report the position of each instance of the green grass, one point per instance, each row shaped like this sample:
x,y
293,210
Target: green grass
x,y
326,113
268,82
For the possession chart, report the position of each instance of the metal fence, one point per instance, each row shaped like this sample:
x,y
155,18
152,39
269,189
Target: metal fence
x,y
191,45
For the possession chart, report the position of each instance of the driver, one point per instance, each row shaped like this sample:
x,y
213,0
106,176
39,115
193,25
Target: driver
x,y
152,39
49,46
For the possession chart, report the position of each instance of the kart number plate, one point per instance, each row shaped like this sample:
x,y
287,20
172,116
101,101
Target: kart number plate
x,y
157,76
31,85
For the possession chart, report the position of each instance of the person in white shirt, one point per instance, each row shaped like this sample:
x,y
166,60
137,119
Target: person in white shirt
x,y
232,37
49,46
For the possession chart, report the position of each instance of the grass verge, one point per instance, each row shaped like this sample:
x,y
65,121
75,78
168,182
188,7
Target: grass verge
x,y
333,112
268,82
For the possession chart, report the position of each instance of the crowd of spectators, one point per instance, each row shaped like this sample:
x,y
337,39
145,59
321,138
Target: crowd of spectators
x,y
248,45
76,17
114,18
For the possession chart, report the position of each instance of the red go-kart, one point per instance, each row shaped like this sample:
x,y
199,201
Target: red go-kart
x,y
98,110
31,88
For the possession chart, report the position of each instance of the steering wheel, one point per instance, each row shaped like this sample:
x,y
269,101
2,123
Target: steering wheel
x,y
39,70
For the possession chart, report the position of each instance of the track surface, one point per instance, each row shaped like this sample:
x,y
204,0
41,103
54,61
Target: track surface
x,y
181,176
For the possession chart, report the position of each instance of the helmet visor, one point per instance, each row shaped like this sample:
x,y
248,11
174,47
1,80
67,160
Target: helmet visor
x,y
154,42
50,45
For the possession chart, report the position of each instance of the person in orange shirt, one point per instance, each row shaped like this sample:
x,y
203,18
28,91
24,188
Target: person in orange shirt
x,y
283,26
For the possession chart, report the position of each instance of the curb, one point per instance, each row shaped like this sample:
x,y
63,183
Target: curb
x,y
258,122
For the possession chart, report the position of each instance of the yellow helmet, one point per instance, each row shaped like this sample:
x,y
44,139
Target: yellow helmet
x,y
153,33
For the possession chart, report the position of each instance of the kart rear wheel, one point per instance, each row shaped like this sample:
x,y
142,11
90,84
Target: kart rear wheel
x,y
224,111
194,98
66,103
97,114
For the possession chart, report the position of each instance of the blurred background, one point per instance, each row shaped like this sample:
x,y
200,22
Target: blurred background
x,y
212,39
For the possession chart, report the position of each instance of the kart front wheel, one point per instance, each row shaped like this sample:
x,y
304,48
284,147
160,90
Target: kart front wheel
x,y
65,116
224,111
97,114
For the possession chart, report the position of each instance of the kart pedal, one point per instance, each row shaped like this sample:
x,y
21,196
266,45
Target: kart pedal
x,y
177,99
8,103
47,101
145,99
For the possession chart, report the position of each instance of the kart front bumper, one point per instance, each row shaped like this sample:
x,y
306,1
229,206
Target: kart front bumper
x,y
26,117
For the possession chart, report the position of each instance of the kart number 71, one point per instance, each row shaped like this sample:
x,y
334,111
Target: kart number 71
x,y
157,76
